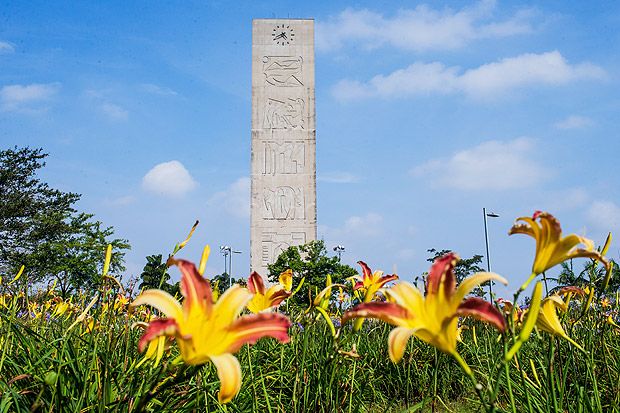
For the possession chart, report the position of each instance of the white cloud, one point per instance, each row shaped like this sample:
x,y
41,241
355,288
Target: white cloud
x,y
493,165
6,47
114,112
605,215
337,178
158,90
29,97
370,225
487,81
406,254
574,122
419,29
234,200
169,179
124,200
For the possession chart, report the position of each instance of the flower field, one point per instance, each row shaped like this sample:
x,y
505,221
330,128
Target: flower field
x,y
372,344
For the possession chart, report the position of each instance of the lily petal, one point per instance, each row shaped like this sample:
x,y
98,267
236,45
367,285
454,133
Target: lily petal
x,y
397,342
286,280
162,301
229,373
441,273
250,328
156,328
392,313
256,284
483,311
470,283
231,303
194,287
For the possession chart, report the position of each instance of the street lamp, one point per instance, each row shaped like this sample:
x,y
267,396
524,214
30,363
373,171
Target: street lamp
x,y
486,239
339,250
228,252
230,264
225,250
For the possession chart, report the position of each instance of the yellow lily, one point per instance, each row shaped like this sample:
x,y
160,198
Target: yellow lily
x,y
264,300
551,248
611,321
371,281
156,347
548,318
433,318
205,331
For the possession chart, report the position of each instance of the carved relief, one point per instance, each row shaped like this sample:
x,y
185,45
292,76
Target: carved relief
x,y
285,202
284,158
284,115
283,70
274,243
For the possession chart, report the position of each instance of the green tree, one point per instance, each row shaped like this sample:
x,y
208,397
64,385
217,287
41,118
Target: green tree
x,y
309,261
463,268
570,277
152,274
40,229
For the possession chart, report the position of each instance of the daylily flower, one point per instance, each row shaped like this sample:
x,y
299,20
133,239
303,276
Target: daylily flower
x,y
205,331
286,280
156,347
517,313
611,321
433,318
548,318
264,300
459,332
551,248
371,281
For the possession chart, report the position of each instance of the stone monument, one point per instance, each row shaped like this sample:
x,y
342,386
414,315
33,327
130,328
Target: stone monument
x,y
283,203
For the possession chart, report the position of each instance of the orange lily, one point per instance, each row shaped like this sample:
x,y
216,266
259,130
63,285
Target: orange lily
x,y
264,300
433,318
551,248
371,281
205,331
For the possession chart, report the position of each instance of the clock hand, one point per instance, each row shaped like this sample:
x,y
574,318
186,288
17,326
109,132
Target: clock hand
x,y
280,35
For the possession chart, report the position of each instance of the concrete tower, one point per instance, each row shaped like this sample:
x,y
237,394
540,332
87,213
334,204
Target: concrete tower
x,y
283,205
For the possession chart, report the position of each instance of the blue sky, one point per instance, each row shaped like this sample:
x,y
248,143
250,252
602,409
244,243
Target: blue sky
x,y
426,113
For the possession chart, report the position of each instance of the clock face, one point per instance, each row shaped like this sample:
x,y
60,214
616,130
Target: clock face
x,y
283,34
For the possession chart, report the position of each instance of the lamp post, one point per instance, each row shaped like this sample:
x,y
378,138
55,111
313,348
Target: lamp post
x,y
225,250
339,250
486,239
228,252
230,264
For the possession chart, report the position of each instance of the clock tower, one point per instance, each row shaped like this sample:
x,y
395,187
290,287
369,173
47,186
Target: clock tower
x,y
283,199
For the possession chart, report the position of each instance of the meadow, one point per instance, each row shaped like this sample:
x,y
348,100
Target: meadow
x,y
374,344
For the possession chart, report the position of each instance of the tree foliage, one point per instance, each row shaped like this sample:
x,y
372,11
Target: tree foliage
x,y
589,274
40,228
154,270
309,261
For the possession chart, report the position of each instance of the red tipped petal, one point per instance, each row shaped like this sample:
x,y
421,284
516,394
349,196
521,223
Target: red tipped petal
x,y
358,285
571,289
156,328
442,269
367,272
483,311
386,279
256,284
249,328
279,296
194,287
389,312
